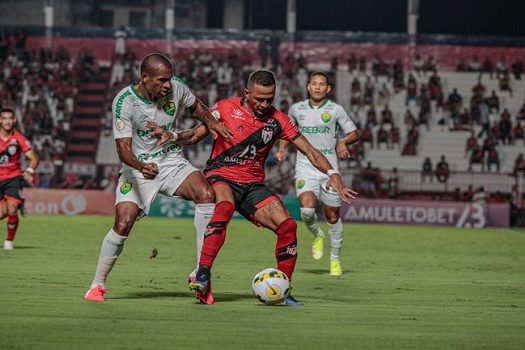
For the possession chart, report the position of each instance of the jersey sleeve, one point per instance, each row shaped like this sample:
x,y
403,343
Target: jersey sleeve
x,y
182,92
289,130
24,143
122,125
344,121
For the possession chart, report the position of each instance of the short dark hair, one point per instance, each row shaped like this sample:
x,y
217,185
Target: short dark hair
x,y
321,73
151,62
7,110
261,77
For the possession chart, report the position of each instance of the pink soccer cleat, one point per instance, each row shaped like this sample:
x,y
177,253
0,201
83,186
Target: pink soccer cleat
x,y
96,294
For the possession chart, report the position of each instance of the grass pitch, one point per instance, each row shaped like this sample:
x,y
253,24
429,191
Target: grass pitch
x,y
402,288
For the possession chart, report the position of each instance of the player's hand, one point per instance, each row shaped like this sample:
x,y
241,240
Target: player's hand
x,y
29,178
280,155
345,192
342,151
158,132
217,128
150,170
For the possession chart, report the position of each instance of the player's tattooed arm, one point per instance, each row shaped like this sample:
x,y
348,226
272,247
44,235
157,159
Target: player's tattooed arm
x,y
216,127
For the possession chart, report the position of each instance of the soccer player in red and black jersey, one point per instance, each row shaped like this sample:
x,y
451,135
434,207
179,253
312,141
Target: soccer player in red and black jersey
x,y
236,173
12,178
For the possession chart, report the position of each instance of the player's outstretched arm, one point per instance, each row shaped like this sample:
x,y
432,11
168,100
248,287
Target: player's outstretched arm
x,y
216,127
193,136
342,144
322,164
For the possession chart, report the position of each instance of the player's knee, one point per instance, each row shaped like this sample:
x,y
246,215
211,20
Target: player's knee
x,y
307,214
204,195
332,219
123,227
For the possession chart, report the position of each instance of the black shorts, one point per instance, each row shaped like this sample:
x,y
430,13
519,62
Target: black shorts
x,y
248,198
12,189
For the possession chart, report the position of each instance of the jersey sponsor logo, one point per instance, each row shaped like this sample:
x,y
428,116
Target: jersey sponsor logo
x,y
327,151
143,118
326,117
120,102
267,135
301,117
315,130
300,184
126,187
143,157
170,108
11,150
237,114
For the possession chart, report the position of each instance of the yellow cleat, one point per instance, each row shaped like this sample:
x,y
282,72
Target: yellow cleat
x,y
317,247
335,268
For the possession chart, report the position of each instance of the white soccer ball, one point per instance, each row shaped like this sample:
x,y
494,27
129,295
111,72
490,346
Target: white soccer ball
x,y
271,286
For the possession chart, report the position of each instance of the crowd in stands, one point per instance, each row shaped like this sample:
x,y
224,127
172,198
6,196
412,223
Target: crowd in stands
x,y
43,85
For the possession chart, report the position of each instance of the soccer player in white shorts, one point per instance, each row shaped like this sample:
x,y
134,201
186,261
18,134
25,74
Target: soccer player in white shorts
x,y
319,120
143,120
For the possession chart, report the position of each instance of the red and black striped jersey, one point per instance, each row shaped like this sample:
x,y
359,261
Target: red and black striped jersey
x,y
241,159
10,152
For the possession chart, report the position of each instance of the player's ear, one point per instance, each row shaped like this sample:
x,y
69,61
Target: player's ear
x,y
246,92
329,88
144,78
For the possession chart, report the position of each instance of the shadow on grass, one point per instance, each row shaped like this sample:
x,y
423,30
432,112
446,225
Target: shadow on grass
x,y
220,297
17,247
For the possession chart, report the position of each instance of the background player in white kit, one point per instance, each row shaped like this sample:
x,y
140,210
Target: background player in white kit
x,y
319,120
152,166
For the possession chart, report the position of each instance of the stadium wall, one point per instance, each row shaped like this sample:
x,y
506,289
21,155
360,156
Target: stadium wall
x,y
469,215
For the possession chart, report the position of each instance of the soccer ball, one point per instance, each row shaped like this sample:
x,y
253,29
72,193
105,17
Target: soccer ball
x,y
271,286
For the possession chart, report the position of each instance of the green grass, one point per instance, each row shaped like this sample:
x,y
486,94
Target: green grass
x,y
403,288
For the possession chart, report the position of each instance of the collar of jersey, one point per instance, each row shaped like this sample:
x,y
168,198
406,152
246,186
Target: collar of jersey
x,y
145,100
313,107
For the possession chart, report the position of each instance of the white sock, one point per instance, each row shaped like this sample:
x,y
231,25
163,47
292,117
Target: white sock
x,y
112,246
336,238
203,214
309,217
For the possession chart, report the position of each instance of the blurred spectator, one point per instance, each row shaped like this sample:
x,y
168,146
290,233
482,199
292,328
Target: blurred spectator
x,y
487,67
519,164
393,184
504,83
395,136
472,142
479,88
484,118
517,69
501,68
371,118
505,128
493,158
476,157
382,136
480,196
518,133
456,195
493,101
427,171
367,136
386,116
264,50
411,91
120,41
468,194
442,170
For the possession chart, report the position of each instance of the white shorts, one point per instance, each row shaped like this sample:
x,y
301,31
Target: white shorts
x,y
317,185
132,187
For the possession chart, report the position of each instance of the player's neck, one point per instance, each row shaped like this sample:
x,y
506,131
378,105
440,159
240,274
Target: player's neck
x,y
143,93
316,104
6,134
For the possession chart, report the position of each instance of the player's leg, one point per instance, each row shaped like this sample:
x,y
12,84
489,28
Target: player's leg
x,y
335,230
332,204
131,204
112,246
13,200
11,208
308,191
272,214
197,189
214,237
